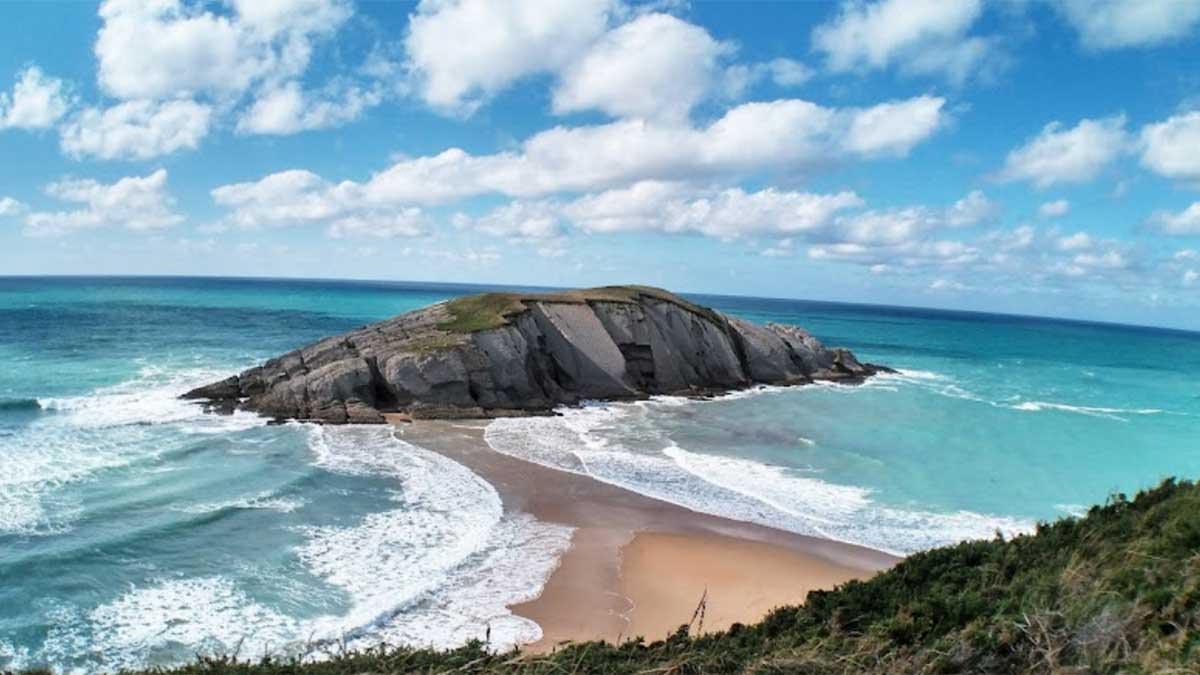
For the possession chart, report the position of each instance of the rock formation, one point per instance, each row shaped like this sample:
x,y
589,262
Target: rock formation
x,y
509,354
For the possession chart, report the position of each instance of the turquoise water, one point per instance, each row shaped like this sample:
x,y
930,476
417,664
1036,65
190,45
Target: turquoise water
x,y
135,529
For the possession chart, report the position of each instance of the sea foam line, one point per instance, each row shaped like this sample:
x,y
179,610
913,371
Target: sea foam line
x,y
439,568
585,441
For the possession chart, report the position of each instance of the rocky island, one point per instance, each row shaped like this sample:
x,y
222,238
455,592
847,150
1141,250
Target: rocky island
x,y
498,354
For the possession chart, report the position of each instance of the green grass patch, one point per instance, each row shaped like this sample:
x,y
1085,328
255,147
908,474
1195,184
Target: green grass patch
x,y
485,311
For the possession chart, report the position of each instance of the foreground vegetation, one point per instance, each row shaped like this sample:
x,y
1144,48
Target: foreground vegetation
x,y
1115,591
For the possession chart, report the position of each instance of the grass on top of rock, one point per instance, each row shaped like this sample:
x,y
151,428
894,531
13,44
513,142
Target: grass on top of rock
x,y
1115,591
485,311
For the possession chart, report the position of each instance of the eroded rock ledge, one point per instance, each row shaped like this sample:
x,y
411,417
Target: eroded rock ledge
x,y
500,354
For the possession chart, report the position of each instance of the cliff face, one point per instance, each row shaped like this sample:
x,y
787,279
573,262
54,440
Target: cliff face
x,y
504,354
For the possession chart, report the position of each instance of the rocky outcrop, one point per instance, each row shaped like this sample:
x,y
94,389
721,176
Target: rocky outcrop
x,y
507,354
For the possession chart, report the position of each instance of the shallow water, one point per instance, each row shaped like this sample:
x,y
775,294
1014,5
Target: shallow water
x,y
134,529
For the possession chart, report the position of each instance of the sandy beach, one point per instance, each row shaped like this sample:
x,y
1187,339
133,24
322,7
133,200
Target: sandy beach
x,y
638,566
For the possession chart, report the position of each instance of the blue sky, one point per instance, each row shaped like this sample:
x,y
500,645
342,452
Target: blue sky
x,y
1031,157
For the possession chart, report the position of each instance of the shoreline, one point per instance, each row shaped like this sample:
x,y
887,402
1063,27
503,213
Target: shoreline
x,y
639,566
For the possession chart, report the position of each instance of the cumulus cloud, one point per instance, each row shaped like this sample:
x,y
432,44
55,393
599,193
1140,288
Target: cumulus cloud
x,y
136,130
36,102
509,40
1059,155
410,222
171,49
908,254
1054,209
11,207
296,197
288,109
782,72
787,134
1183,224
656,66
905,225
726,214
923,37
284,198
894,128
1114,24
517,220
1172,148
176,65
1075,242
139,203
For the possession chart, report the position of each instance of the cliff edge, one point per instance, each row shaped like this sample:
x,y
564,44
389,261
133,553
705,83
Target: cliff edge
x,y
500,354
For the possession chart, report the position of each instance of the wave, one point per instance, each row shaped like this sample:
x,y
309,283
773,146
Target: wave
x,y
1091,411
19,404
263,500
443,567
437,567
616,444
109,428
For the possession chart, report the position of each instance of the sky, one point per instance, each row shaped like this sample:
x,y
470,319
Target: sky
x,y
1027,156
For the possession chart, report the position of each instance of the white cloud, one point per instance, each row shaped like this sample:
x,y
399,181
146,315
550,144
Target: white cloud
x,y
1190,277
1172,148
136,130
973,209
165,49
1054,209
1074,155
788,135
919,36
296,197
287,109
518,220
656,67
36,102
673,208
1183,224
893,128
787,72
281,199
1075,242
726,214
739,78
947,285
136,203
784,248
910,254
1086,263
906,225
11,207
410,222
1113,24
463,52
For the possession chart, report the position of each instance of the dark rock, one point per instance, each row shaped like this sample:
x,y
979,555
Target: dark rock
x,y
505,354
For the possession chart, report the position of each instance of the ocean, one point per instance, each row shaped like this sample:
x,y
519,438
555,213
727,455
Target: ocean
x,y
137,530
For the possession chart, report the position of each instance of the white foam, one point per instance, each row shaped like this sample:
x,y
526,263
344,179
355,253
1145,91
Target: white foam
x,y
583,440
438,570
441,568
1091,411
152,624
262,500
82,436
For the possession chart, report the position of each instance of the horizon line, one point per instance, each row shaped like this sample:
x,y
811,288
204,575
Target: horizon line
x,y
926,308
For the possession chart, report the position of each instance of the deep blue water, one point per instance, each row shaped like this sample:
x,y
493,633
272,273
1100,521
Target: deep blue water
x,y
136,529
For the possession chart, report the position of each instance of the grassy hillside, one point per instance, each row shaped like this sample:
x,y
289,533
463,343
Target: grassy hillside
x,y
1118,590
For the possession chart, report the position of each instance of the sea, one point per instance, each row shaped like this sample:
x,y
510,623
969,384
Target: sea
x,y
138,530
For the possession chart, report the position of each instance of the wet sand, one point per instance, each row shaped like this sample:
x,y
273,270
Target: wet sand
x,y
638,566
